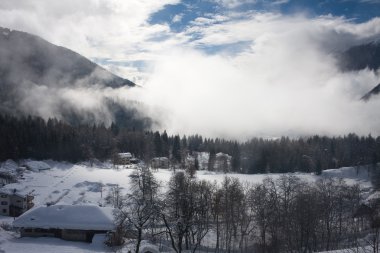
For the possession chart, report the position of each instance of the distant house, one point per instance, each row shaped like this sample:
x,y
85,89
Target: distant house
x,y
160,162
123,158
9,171
68,222
203,159
14,203
222,162
37,166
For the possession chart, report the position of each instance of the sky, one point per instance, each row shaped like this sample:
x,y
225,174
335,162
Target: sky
x,y
227,68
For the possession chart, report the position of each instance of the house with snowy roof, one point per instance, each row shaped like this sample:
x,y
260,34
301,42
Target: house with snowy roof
x,y
9,171
68,222
222,162
123,158
14,202
37,166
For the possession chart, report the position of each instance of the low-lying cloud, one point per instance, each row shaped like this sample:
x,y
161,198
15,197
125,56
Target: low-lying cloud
x,y
286,83
281,78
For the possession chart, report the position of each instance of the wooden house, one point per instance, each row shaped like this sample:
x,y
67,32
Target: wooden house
x,y
68,222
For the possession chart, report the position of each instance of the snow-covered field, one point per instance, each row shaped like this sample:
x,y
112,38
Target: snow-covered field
x,y
68,183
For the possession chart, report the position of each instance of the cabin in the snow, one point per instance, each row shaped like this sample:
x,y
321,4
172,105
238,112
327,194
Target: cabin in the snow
x,y
9,171
14,203
222,162
37,166
123,158
68,222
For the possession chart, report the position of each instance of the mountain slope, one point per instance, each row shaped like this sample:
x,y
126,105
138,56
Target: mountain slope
x,y
41,79
361,57
25,57
375,91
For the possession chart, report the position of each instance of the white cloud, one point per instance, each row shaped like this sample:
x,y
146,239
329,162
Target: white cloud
x,y
283,81
177,18
94,28
234,3
279,2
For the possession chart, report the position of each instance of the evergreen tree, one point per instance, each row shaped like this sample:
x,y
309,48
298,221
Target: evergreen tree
x,y
236,158
165,144
176,150
157,144
211,159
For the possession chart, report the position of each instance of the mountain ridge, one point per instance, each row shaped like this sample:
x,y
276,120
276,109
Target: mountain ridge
x,y
34,73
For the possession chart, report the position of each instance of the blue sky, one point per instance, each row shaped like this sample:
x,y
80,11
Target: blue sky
x,y
188,10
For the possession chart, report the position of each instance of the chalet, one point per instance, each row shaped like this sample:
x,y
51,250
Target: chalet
x,y
68,222
123,158
9,171
37,166
203,159
160,162
14,203
222,162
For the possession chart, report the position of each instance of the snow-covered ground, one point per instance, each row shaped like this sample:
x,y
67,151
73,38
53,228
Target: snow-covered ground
x,y
67,183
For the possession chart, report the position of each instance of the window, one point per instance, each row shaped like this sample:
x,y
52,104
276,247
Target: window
x,y
4,196
4,210
4,203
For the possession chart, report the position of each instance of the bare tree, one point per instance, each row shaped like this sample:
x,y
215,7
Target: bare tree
x,y
142,204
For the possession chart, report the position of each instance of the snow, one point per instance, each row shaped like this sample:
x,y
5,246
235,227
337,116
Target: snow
x,y
16,192
9,167
37,166
85,217
79,184
12,244
125,155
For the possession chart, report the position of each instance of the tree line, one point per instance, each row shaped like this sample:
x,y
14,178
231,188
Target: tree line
x,y
33,137
286,214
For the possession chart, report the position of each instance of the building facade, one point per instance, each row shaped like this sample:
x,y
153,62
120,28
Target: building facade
x,y
14,204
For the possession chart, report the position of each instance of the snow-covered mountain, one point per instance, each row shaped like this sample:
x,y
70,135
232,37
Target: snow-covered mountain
x,y
365,56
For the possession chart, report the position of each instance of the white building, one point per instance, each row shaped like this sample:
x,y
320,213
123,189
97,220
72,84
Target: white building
x,y
14,203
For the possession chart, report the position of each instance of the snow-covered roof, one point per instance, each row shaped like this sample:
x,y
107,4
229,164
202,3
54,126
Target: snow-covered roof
x,y
125,155
9,167
83,217
220,154
37,165
163,158
8,191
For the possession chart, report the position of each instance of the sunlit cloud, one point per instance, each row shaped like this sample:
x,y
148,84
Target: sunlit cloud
x,y
281,78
